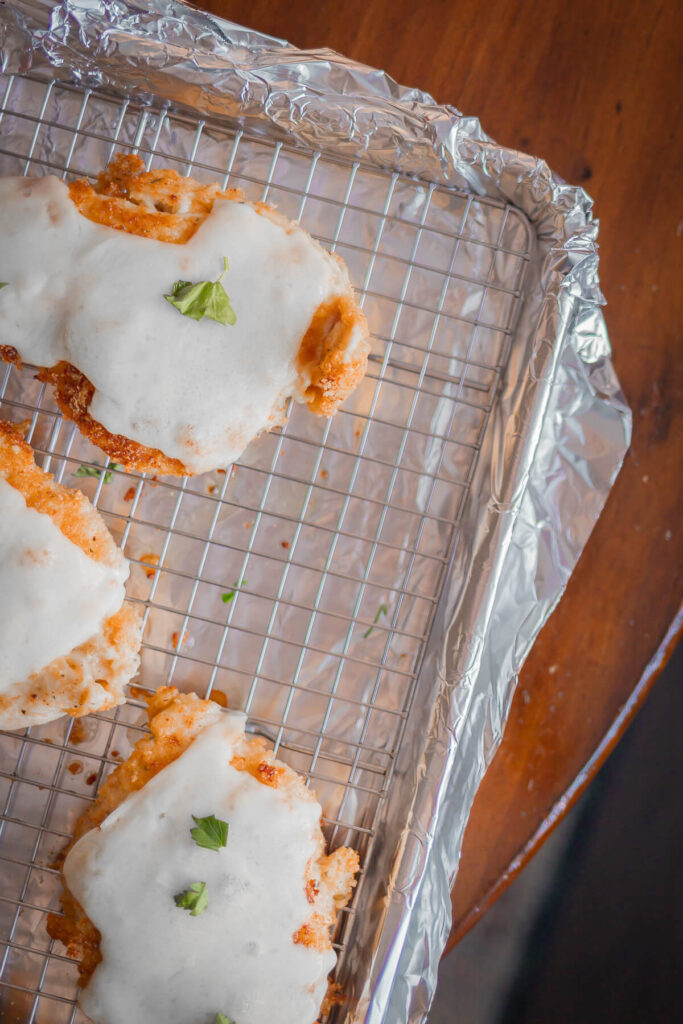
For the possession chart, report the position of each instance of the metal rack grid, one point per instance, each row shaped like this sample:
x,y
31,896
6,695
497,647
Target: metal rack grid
x,y
301,585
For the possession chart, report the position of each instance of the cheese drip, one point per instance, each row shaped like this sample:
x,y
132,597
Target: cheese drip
x,y
94,296
159,964
53,597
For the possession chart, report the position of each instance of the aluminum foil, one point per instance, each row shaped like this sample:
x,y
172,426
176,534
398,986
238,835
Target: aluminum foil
x,y
558,436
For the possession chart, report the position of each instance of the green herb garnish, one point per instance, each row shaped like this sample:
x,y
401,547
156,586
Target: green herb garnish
x,y
229,594
222,1019
204,299
211,832
94,471
3,284
195,899
382,611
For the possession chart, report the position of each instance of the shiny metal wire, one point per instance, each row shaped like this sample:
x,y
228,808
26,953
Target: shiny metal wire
x,y
332,538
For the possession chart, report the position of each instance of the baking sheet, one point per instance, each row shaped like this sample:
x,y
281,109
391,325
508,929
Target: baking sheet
x,y
455,490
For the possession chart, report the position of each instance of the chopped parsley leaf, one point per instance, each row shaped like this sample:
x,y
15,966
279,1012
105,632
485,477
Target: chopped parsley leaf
x,y
195,899
204,299
211,832
98,471
227,597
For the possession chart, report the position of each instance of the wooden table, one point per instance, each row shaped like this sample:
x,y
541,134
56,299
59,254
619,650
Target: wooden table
x,y
592,86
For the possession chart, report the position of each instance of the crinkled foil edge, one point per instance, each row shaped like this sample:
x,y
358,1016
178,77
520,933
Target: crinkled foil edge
x,y
560,430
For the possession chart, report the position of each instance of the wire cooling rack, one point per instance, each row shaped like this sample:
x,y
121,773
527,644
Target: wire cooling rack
x,y
301,585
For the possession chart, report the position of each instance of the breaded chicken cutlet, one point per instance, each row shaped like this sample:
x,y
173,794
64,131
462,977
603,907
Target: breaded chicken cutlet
x,y
68,642
196,884
173,319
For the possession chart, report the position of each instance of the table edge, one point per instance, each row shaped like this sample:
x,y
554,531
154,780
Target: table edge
x,y
563,805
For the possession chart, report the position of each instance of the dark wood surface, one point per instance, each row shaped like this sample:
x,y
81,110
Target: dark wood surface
x,y
592,86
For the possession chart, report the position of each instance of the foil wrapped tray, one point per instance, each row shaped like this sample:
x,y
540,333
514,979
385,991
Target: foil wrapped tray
x,y
391,567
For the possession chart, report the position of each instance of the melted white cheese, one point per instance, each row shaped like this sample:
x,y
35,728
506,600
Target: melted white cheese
x,y
161,965
94,296
53,597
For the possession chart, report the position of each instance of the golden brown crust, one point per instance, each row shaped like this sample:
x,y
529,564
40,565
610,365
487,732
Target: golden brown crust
x,y
175,719
92,676
155,204
77,932
9,354
70,510
163,205
334,354
73,395
89,678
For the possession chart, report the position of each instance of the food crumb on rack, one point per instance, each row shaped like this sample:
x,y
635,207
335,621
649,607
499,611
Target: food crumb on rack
x,y
75,767
284,544
90,779
130,494
150,560
218,697
177,642
138,692
80,731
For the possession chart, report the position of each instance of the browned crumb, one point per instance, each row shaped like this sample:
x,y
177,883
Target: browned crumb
x,y
218,697
130,494
23,427
177,642
334,997
80,731
139,693
151,560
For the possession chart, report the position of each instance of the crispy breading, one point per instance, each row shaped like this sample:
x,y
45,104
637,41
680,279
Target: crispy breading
x,y
168,207
175,719
73,395
93,675
69,510
156,204
323,355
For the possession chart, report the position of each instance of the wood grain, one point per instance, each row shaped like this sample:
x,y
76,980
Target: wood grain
x,y
594,88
